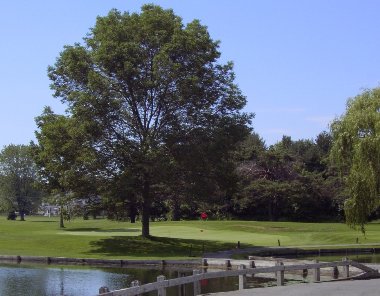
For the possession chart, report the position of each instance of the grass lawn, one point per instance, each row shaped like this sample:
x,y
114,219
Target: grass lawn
x,y
41,236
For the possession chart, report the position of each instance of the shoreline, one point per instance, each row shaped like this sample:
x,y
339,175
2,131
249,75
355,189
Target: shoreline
x,y
295,251
220,260
256,253
98,262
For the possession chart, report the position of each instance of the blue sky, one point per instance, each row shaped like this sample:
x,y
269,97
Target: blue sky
x,y
296,61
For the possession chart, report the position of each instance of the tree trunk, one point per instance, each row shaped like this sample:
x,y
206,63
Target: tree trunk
x,y
132,213
176,211
22,215
61,225
270,211
146,209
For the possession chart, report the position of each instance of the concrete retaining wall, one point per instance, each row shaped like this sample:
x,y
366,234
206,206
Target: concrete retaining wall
x,y
300,252
99,262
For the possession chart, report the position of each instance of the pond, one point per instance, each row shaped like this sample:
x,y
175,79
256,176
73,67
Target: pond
x,y
47,280
44,280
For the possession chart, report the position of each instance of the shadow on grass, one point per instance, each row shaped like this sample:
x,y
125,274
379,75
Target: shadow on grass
x,y
95,229
155,247
42,221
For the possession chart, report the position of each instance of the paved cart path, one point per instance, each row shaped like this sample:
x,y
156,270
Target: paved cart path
x,y
345,288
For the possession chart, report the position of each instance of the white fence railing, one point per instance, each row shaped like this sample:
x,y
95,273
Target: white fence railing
x,y
279,269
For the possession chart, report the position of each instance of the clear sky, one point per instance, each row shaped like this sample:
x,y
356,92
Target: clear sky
x,y
296,61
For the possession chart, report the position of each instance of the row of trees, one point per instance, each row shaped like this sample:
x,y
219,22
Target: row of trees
x,y
303,180
154,126
290,180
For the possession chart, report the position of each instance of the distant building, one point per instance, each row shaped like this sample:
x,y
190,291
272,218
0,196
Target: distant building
x,y
48,210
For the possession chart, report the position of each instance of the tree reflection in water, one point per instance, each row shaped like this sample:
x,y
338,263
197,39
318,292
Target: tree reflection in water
x,y
40,280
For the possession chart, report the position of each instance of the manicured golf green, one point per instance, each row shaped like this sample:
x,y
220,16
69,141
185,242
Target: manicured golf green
x,y
101,238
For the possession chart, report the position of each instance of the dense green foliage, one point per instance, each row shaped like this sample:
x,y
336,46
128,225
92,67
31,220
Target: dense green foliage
x,y
356,151
18,176
61,159
156,109
290,180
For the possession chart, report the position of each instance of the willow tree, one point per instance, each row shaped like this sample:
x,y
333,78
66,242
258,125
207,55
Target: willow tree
x,y
149,89
356,150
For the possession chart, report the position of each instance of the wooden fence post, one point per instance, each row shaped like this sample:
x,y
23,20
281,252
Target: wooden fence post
x,y
161,291
197,284
135,283
181,288
103,289
242,278
204,262
252,264
335,272
346,268
317,272
227,264
280,274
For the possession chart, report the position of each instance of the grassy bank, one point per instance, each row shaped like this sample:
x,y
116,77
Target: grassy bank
x,y
41,236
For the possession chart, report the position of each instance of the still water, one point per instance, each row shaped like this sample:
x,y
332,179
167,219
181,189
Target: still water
x,y
47,280
43,280
40,280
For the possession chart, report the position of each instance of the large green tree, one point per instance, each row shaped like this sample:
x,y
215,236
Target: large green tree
x,y
62,160
18,180
356,150
153,99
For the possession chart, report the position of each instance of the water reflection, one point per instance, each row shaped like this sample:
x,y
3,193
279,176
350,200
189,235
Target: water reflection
x,y
41,280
